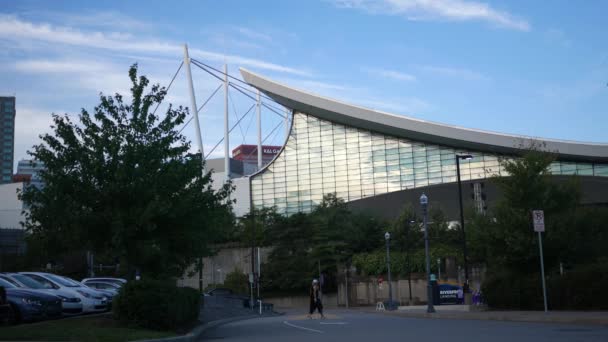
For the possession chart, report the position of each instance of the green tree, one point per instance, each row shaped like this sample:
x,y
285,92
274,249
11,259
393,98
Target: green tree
x,y
121,181
506,238
330,236
290,267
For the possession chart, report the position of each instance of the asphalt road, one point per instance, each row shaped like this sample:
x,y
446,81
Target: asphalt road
x,y
367,327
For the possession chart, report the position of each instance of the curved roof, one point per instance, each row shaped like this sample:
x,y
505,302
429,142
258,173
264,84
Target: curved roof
x,y
415,129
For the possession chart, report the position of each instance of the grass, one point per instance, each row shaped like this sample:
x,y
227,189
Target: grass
x,y
99,328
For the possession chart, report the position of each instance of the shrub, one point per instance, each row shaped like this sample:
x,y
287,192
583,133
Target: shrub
x,y
237,281
158,305
578,289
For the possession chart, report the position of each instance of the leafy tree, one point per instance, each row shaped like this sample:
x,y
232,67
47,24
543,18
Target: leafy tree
x,y
256,227
289,265
237,281
121,181
505,238
330,235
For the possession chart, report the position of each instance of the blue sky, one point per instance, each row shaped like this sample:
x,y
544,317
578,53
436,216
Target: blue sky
x,y
524,67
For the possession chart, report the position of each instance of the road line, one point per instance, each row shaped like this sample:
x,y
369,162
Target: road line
x,y
303,328
335,323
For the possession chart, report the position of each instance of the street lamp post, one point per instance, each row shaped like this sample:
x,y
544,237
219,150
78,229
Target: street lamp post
x,y
438,269
409,269
424,201
387,237
465,286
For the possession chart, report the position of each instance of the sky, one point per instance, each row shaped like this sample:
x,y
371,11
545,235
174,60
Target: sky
x,y
530,68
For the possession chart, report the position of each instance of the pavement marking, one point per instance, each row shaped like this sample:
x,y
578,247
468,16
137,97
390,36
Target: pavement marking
x,y
306,318
303,328
336,323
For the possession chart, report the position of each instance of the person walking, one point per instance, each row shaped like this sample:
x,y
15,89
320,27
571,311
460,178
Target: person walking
x,y
315,299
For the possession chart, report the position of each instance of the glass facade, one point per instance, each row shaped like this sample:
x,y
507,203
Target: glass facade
x,y
322,157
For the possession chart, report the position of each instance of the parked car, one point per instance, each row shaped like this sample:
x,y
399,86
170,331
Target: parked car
x,y
103,286
70,303
117,281
27,305
108,294
223,295
92,301
220,291
5,307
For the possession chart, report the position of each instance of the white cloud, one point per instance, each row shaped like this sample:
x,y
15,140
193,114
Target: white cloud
x,y
112,19
29,124
452,10
391,74
16,29
462,73
79,73
253,34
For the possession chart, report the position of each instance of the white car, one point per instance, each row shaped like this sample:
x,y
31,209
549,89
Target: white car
x,y
92,301
108,294
117,281
70,303
102,286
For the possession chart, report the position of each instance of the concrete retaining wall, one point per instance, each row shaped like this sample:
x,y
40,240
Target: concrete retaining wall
x,y
330,300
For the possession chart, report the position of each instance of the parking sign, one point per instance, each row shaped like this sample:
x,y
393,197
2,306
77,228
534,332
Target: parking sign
x,y
539,220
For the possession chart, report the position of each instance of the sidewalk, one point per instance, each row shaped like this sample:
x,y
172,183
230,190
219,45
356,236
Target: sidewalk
x,y
220,308
445,312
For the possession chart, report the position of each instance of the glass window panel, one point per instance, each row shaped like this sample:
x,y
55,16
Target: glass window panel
x,y
421,182
379,169
585,172
434,174
404,144
407,184
450,179
600,170
421,175
568,168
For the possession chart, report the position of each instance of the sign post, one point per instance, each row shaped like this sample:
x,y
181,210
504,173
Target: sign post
x,y
538,216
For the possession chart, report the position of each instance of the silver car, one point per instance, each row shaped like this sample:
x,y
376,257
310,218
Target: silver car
x,y
70,303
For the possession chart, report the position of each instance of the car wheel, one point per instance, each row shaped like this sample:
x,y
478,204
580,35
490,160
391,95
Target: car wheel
x,y
14,316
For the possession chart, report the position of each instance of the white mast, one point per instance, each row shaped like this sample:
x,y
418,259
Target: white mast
x,y
194,108
287,112
259,110
226,128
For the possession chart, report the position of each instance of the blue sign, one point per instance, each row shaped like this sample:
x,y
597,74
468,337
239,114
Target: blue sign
x,y
450,294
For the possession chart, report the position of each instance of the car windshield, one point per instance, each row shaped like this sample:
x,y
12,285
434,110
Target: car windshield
x,y
110,280
28,282
12,281
62,281
6,284
72,281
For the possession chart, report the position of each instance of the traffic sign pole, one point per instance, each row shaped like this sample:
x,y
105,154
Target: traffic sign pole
x,y
542,269
538,217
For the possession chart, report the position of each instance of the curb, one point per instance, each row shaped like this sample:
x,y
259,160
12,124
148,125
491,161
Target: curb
x,y
196,333
489,316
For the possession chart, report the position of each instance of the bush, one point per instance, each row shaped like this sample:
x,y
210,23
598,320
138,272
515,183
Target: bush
x,y
513,291
158,305
578,289
237,281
